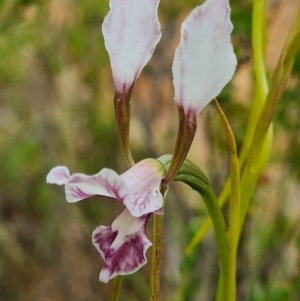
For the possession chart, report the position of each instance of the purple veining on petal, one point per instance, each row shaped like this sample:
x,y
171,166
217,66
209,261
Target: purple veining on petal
x,y
143,181
106,183
102,239
128,257
58,175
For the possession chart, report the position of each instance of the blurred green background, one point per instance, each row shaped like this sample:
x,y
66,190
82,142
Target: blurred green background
x,y
56,108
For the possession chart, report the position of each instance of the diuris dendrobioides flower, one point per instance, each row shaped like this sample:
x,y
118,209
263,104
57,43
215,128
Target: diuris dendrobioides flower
x,y
122,245
204,63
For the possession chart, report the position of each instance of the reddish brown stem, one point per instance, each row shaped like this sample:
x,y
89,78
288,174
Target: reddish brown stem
x,y
122,111
186,132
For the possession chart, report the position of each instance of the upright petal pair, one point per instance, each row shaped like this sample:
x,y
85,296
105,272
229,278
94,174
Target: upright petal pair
x,y
204,61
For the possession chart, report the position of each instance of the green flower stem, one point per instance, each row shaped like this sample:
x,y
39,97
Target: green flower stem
x,y
262,130
220,228
186,132
221,288
122,112
260,92
207,223
192,176
258,47
234,209
116,288
158,222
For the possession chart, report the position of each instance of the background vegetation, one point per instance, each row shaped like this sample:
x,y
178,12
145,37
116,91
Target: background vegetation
x,y
56,108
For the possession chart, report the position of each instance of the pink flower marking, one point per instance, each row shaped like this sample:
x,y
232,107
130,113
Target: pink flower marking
x,y
123,245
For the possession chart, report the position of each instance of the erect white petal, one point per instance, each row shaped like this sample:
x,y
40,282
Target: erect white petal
x,y
131,31
143,181
204,60
79,186
59,175
124,257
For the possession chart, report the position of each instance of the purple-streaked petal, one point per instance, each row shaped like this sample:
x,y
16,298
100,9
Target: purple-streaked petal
x,y
59,175
79,186
204,60
124,257
143,181
131,31
102,238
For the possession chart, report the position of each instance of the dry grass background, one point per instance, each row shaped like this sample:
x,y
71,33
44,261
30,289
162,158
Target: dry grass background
x,y
56,109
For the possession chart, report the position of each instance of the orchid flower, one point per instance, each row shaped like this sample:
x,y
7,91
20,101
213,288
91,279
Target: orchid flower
x,y
204,63
131,31
122,245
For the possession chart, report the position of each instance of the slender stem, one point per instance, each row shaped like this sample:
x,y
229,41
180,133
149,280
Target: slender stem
x,y
206,225
262,137
116,288
234,209
158,222
258,38
192,176
122,111
185,136
220,288
219,227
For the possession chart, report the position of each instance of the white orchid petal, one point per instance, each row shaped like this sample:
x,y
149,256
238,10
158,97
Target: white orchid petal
x,y
131,31
204,60
58,175
79,186
143,181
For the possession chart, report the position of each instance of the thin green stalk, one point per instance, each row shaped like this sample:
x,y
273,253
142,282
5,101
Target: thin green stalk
x,y
260,92
116,288
207,223
234,225
262,130
192,175
234,210
220,288
220,228
158,223
258,38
